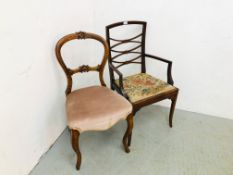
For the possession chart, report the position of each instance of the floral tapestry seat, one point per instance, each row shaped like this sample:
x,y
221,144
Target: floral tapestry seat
x,y
141,86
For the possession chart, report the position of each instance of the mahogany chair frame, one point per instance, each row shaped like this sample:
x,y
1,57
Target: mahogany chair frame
x,y
141,59
85,68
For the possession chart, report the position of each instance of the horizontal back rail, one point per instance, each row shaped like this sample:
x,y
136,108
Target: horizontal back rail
x,y
121,43
121,54
126,51
127,40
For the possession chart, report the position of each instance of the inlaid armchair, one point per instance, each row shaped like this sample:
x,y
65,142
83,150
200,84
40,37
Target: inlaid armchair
x,y
96,107
140,89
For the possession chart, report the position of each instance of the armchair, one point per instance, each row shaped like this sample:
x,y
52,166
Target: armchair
x,y
140,89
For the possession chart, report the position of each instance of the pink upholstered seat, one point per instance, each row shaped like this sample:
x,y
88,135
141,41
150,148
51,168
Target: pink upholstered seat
x,y
95,108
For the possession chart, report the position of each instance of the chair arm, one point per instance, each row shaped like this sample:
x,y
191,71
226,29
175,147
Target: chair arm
x,y
118,73
121,88
169,68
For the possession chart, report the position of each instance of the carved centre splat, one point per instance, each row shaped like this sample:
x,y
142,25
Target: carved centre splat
x,y
84,68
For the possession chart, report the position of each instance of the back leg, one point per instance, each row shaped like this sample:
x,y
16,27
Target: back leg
x,y
173,104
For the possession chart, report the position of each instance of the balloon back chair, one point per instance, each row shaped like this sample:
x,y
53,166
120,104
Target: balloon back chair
x,y
96,107
140,89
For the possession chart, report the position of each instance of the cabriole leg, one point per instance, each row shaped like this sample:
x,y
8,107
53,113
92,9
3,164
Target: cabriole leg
x,y
173,104
75,144
128,133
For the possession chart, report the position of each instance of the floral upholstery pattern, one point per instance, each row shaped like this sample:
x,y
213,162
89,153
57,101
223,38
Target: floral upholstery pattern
x,y
141,86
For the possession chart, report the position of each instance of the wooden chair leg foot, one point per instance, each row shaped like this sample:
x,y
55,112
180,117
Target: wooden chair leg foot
x,y
112,87
129,139
173,104
128,133
75,145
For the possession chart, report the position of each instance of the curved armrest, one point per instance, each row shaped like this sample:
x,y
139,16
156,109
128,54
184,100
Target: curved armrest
x,y
121,87
169,67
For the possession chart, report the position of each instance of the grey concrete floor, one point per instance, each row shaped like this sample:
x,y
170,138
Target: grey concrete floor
x,y
196,145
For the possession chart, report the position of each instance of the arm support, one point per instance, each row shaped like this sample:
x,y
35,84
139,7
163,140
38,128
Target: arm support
x,y
121,87
169,67
118,73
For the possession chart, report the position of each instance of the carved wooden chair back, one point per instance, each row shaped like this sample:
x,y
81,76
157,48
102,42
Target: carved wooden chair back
x,y
137,44
106,107
84,68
